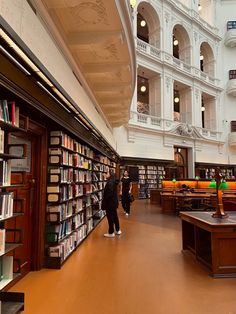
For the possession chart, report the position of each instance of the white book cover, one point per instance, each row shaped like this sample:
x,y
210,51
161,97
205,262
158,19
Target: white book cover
x,y
2,241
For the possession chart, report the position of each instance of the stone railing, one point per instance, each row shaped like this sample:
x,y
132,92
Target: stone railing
x,y
178,64
173,127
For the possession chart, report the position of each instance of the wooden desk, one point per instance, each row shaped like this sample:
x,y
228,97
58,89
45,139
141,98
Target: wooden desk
x,y
170,202
211,240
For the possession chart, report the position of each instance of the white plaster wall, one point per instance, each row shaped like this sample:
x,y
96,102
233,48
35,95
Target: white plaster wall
x,y
142,144
19,15
226,12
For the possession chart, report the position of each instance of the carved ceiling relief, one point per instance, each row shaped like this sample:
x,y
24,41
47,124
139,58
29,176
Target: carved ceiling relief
x,y
90,12
106,53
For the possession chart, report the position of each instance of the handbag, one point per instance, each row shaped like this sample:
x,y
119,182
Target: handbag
x,y
131,198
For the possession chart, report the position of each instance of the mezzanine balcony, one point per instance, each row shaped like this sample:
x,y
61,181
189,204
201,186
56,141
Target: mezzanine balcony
x,y
231,85
232,135
172,127
158,55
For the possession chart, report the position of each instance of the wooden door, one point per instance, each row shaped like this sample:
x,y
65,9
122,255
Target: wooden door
x,y
30,174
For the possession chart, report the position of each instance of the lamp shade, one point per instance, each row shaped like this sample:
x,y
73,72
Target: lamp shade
x,y
173,180
212,184
197,178
161,177
223,185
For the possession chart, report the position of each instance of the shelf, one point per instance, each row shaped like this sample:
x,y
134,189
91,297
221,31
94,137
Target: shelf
x,y
9,127
8,156
5,282
13,216
65,237
12,307
10,247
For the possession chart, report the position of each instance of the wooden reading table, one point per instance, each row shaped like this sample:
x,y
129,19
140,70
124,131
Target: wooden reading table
x,y
211,240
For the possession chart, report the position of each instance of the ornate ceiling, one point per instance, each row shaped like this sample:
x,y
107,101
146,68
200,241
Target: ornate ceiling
x,y
97,39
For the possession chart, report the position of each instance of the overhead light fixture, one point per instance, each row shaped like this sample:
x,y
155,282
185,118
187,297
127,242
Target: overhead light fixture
x,y
203,108
176,99
199,7
175,42
143,23
201,57
15,61
132,3
143,88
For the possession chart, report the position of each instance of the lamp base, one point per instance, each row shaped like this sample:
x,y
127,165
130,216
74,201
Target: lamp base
x,y
220,213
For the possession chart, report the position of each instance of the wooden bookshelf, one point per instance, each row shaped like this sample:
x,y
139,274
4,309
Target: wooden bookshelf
x,y
76,179
10,239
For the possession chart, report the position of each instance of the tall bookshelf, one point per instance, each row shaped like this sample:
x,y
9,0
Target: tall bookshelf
x,y
10,239
209,171
150,177
76,179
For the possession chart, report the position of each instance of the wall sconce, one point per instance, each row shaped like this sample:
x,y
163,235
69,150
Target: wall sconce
x,y
203,108
132,3
176,99
175,42
201,57
199,7
143,88
143,23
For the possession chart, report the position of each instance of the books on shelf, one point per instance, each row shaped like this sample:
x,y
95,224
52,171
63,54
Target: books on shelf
x,y
2,141
76,178
6,204
2,241
9,112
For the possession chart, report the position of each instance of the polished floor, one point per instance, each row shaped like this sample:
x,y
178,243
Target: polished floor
x,y
143,271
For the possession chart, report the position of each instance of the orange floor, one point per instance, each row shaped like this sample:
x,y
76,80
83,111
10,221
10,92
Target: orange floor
x,y
140,272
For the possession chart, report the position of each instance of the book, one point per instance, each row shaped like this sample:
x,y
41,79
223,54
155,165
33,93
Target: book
x,y
12,112
5,111
2,136
2,241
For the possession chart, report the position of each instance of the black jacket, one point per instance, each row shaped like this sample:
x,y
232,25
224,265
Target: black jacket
x,y
110,197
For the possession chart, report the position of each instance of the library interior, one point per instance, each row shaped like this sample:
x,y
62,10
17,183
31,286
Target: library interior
x,y
141,89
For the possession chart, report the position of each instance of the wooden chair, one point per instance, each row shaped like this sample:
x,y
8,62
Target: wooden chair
x,y
229,205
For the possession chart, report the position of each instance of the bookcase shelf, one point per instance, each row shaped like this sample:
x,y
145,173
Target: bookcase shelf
x,y
9,123
77,171
149,178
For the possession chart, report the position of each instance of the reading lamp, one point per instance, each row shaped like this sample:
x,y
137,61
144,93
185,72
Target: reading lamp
x,y
174,181
220,184
197,179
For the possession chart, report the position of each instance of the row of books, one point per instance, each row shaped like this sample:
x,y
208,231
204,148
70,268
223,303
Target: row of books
x,y
2,241
9,112
57,213
6,204
99,176
59,138
64,249
56,232
58,156
100,167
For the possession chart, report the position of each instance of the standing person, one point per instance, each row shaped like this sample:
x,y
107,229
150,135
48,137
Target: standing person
x,y
125,191
110,204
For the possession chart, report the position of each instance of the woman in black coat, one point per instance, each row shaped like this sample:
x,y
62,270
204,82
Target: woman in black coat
x,y
110,204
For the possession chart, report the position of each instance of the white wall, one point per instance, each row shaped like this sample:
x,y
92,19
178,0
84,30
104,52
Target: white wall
x,y
19,15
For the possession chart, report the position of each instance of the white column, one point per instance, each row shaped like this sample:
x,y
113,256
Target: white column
x,y
197,104
186,106
167,97
155,96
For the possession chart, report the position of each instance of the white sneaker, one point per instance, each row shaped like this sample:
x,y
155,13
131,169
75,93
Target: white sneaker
x,y
109,235
118,232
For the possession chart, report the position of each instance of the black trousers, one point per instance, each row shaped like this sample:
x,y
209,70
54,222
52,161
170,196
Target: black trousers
x,y
125,201
112,219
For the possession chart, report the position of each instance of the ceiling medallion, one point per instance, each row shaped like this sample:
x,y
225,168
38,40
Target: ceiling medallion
x,y
90,12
